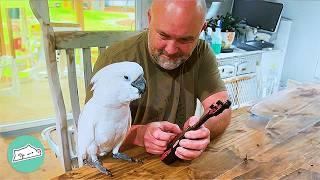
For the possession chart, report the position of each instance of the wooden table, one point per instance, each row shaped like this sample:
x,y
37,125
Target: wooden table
x,y
285,147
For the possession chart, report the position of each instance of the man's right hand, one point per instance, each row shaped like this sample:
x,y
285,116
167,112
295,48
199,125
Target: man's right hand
x,y
157,135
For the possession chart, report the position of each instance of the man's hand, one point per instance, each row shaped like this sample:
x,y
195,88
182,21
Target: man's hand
x,y
157,135
195,142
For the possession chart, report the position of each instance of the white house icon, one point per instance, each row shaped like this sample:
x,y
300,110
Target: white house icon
x,y
25,153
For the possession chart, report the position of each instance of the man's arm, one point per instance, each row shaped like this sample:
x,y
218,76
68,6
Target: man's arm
x,y
217,124
196,141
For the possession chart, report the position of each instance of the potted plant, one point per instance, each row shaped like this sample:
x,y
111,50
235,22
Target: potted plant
x,y
229,25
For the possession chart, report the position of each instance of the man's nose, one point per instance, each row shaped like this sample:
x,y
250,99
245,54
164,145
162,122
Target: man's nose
x,y
171,47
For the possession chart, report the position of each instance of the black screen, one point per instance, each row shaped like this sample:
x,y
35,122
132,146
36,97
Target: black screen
x,y
258,13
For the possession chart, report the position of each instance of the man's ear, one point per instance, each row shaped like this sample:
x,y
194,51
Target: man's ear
x,y
149,17
204,27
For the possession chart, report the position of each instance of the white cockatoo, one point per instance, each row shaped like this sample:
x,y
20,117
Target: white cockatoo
x,y
106,117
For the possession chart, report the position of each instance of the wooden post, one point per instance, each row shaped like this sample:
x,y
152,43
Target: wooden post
x,y
10,35
24,30
2,45
79,12
41,11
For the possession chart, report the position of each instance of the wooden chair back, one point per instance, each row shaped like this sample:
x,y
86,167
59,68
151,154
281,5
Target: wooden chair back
x,y
69,41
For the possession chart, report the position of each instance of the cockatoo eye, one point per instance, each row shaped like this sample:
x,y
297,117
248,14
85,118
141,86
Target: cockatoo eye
x,y
126,77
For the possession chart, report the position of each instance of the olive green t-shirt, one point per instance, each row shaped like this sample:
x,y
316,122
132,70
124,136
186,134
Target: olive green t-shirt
x,y
170,94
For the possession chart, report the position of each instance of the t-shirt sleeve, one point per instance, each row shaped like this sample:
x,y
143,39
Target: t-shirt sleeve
x,y
209,81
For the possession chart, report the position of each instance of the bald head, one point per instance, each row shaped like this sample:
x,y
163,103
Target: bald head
x,y
179,6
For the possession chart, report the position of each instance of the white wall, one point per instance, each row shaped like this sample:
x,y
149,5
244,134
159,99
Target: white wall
x,y
225,7
303,51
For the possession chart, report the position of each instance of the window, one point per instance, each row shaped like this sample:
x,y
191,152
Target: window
x,y
24,90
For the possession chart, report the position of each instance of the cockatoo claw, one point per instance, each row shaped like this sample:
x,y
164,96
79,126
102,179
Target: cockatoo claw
x,y
97,164
88,162
126,158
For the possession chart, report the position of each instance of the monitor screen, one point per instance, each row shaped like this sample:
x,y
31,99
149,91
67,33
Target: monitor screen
x,y
258,13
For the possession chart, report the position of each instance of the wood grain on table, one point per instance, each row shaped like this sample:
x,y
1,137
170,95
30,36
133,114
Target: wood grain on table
x,y
281,141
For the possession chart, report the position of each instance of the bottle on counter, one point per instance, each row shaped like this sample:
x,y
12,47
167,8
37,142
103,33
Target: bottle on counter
x,y
208,36
217,39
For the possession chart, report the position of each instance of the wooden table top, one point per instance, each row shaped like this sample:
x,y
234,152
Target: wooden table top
x,y
281,141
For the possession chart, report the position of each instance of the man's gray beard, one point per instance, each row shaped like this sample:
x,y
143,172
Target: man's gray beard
x,y
168,64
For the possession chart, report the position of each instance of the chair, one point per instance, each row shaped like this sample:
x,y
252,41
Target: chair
x,y
69,41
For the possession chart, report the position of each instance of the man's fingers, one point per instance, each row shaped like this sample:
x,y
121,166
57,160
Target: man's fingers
x,y
190,122
159,143
154,148
193,120
170,127
201,133
154,151
199,144
187,154
163,135
158,135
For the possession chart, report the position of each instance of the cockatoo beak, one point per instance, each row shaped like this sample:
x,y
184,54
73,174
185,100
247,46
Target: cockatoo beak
x,y
140,84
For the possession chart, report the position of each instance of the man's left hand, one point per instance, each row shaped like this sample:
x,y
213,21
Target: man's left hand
x,y
195,142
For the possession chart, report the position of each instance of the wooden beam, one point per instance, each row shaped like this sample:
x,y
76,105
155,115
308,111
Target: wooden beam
x,y
12,51
73,87
87,39
56,92
64,25
87,65
79,12
41,11
141,20
25,33
2,45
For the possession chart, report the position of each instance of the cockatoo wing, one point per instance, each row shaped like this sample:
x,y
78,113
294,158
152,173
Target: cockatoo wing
x,y
85,131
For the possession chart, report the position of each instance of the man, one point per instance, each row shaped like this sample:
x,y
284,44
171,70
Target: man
x,y
178,68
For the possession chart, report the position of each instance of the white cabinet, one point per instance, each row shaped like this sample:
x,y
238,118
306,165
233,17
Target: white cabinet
x,y
250,76
227,71
247,64
238,71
